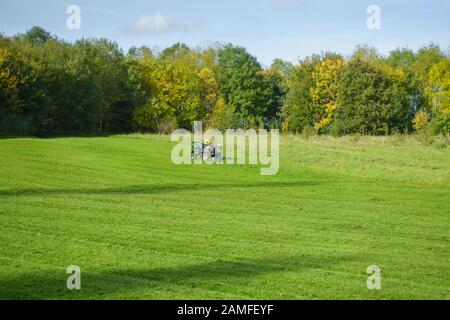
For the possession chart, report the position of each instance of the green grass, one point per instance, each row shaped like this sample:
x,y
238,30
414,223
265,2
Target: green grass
x,y
140,227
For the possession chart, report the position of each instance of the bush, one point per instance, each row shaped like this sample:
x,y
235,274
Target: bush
x,y
224,116
143,119
336,130
421,121
441,124
307,132
166,125
16,125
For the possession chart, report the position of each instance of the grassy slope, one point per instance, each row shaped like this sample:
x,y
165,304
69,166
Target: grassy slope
x,y
140,227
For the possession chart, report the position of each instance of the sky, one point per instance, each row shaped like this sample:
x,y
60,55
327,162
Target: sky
x,y
286,29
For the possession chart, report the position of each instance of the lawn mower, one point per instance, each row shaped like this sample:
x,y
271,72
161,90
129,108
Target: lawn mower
x,y
206,151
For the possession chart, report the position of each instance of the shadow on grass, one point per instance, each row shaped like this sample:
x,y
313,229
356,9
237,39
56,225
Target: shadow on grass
x,y
58,136
154,189
7,137
217,279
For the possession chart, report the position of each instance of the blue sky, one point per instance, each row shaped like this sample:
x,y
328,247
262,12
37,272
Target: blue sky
x,y
287,29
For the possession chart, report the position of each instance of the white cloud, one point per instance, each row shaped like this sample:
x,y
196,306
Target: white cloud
x,y
159,23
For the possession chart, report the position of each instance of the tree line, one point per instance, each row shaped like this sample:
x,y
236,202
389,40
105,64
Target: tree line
x,y
50,86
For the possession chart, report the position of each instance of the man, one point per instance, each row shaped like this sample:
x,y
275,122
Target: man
x,y
208,146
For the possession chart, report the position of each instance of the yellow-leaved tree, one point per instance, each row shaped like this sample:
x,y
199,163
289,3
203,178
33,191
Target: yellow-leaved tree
x,y
8,83
323,92
438,93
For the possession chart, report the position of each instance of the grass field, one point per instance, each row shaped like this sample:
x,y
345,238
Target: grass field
x,y
140,227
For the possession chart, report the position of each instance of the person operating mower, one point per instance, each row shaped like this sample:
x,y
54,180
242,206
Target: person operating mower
x,y
205,150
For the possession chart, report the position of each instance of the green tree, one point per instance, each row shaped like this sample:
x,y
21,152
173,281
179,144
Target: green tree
x,y
81,87
274,90
406,59
298,110
174,91
425,59
283,68
178,51
224,116
240,83
38,35
372,98
310,101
